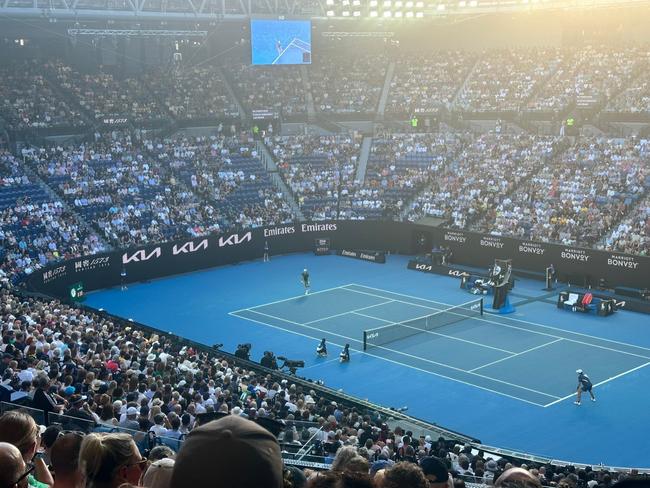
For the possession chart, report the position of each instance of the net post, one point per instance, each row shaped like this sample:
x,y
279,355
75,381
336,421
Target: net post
x,y
365,340
481,306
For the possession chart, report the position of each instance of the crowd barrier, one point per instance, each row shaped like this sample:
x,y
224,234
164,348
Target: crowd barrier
x,y
575,265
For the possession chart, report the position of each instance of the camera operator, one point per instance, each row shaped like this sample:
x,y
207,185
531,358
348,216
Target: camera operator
x,y
243,351
268,360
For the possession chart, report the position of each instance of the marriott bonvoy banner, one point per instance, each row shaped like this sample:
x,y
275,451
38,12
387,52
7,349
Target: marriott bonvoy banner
x,y
143,263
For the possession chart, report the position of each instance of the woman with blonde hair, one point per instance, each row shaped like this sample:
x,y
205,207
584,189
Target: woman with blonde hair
x,y
109,460
19,429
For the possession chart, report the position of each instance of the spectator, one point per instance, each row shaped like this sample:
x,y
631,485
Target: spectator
x,y
435,472
161,452
404,475
517,478
19,429
232,449
109,460
12,474
65,461
159,474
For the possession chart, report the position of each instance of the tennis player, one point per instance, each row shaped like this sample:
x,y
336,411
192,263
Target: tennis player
x,y
321,350
266,251
304,278
584,384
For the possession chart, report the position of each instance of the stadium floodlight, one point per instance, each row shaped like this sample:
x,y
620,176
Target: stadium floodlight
x,y
329,2
419,15
373,13
473,3
398,14
388,13
356,3
345,13
387,3
419,4
409,4
356,13
345,3
441,7
373,3
462,3
330,13
398,3
409,15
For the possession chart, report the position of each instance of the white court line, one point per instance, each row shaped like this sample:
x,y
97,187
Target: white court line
x,y
389,360
500,324
390,322
405,354
509,318
516,354
342,287
349,312
599,384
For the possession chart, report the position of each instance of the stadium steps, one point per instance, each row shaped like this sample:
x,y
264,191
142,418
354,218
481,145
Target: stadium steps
x,y
560,147
383,98
463,87
231,94
363,159
309,97
69,98
406,208
91,229
269,164
600,243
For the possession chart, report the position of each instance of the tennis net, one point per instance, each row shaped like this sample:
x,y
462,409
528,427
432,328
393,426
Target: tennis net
x,y
400,330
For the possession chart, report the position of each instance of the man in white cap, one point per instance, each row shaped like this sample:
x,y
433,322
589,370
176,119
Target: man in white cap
x,y
584,384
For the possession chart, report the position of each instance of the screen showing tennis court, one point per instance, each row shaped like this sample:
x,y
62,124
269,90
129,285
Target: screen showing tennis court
x,y
281,41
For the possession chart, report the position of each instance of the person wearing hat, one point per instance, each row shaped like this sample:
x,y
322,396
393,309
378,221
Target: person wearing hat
x,y
584,384
131,420
237,452
79,409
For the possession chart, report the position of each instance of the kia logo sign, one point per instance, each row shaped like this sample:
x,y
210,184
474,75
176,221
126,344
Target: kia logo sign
x,y
235,239
189,247
140,256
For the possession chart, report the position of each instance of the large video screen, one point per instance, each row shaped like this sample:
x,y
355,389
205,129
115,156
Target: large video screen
x,y
281,41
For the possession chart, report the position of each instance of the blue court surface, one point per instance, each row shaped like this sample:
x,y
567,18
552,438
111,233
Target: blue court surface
x,y
508,380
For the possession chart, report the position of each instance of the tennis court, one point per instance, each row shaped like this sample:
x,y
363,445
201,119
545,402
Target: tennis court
x,y
507,381
519,359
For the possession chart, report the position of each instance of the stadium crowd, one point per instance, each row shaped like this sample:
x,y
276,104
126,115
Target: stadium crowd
x,y
140,191
348,85
576,197
320,171
36,228
424,83
51,93
486,168
89,380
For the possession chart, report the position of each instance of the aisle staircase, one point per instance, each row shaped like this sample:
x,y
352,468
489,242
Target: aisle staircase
x,y
364,154
271,167
231,93
383,98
